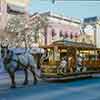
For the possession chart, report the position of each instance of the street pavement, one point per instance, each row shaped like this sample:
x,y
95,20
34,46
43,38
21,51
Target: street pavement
x,y
88,89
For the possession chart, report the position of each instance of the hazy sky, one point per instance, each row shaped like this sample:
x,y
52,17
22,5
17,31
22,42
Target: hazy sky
x,y
78,9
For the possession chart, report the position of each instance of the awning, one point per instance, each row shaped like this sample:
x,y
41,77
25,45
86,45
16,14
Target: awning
x,y
78,45
15,9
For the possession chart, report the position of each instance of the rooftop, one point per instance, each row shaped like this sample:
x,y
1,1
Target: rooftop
x,y
78,45
70,19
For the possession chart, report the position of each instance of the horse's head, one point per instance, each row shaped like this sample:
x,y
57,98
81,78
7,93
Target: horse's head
x,y
4,50
6,54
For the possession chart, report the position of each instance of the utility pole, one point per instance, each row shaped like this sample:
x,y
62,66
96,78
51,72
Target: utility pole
x,y
53,1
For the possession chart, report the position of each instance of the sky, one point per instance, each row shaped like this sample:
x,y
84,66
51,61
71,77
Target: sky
x,y
78,9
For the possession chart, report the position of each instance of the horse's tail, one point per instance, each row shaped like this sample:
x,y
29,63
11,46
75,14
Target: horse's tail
x,y
40,75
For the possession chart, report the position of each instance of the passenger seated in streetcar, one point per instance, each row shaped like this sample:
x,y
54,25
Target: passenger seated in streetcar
x,y
62,66
79,63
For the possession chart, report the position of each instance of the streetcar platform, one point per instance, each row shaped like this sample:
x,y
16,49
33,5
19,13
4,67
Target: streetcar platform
x,y
70,76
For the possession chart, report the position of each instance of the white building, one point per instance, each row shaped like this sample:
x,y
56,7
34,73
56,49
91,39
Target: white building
x,y
91,31
60,27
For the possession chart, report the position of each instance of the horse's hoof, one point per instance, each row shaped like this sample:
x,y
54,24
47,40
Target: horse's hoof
x,y
35,82
13,86
25,83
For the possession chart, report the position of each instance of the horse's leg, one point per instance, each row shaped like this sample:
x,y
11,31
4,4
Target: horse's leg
x,y
34,75
12,76
26,77
11,73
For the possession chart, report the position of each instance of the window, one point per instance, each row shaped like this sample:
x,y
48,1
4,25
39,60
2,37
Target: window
x,y
61,33
76,35
53,32
66,34
71,35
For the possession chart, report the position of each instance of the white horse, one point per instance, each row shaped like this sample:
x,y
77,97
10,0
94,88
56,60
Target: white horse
x,y
20,60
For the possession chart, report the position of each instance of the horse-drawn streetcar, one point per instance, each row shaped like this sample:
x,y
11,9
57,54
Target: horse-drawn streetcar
x,y
67,59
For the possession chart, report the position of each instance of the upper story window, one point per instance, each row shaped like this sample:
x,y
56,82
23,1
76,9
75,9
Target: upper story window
x,y
53,32
61,33
71,36
66,34
76,35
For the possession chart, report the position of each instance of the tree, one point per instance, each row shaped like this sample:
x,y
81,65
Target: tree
x,y
40,22
15,25
24,32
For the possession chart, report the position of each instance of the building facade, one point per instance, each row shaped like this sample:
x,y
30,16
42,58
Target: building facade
x,y
91,31
9,6
9,9
3,14
59,28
